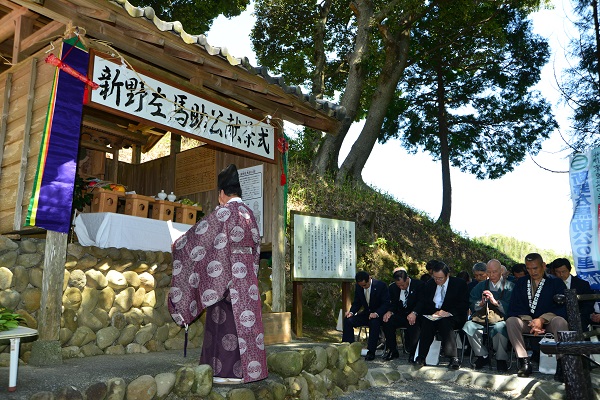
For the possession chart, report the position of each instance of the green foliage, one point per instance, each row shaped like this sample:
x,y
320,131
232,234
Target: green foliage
x,y
81,197
582,80
196,16
474,90
517,250
8,319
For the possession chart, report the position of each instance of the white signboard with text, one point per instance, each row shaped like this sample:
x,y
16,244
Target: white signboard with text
x,y
139,95
251,181
323,248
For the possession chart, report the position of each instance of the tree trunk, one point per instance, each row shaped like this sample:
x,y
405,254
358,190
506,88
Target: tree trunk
x,y
318,76
446,212
596,34
395,62
327,156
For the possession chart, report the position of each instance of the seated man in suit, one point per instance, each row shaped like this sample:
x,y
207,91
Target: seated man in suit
x,y
494,292
371,302
443,304
562,270
403,297
532,310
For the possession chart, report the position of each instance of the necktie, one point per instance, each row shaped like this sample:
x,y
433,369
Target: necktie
x,y
403,298
443,293
367,295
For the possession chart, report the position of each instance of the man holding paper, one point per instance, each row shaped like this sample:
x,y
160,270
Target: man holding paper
x,y
443,303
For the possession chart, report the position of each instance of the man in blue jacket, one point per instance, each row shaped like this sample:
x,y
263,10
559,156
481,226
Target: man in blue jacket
x,y
371,302
532,310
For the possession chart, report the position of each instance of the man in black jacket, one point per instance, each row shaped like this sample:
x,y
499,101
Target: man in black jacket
x,y
562,270
403,297
443,304
371,302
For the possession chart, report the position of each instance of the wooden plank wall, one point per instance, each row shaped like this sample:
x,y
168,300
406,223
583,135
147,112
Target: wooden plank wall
x,y
151,177
12,186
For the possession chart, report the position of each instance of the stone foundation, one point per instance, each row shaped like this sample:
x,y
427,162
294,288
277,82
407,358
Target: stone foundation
x,y
114,300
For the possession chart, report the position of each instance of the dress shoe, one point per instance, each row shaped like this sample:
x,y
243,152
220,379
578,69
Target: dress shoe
x,y
559,376
501,365
419,362
454,363
482,362
370,356
390,355
525,367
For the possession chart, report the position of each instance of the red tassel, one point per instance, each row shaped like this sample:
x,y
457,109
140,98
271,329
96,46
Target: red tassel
x,y
283,179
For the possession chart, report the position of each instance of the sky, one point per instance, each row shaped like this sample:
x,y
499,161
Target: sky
x,y
529,203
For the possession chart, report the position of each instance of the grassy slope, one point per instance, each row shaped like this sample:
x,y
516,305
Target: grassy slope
x,y
389,235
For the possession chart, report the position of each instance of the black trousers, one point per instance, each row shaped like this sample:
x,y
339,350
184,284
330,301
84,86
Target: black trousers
x,y
362,319
411,335
445,327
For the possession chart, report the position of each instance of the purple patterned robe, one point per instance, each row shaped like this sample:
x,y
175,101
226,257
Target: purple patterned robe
x,y
217,258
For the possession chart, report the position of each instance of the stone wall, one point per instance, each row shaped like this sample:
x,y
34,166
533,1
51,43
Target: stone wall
x,y
313,373
114,300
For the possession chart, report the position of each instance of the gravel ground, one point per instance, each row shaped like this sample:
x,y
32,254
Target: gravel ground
x,y
430,390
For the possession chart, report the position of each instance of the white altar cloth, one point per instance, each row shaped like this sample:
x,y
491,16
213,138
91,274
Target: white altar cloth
x,y
125,231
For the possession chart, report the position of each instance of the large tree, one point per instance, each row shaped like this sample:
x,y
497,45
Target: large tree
x,y
467,98
363,55
581,82
196,16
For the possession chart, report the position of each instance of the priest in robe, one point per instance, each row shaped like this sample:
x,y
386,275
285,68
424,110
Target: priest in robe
x,y
215,267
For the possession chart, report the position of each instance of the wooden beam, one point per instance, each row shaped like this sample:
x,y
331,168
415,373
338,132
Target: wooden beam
x,y
25,150
23,28
41,38
7,23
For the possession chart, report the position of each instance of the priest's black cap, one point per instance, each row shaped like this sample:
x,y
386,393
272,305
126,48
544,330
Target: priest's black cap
x,y
229,181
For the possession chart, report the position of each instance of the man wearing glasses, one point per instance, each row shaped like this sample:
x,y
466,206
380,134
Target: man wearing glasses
x,y
442,307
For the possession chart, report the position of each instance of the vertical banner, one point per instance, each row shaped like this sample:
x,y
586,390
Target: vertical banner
x,y
52,197
584,178
251,182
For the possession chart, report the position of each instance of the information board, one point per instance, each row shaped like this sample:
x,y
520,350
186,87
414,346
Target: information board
x,y
251,182
323,248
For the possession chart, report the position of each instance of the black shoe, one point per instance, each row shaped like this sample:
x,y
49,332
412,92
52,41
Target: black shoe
x,y
411,358
525,367
370,356
390,355
501,365
419,362
454,363
559,376
482,362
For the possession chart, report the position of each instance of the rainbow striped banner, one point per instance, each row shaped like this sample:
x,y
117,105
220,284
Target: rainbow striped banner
x,y
52,197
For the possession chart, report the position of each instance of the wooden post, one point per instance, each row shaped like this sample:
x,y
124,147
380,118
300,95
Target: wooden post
x,y
4,123
297,308
46,350
278,249
346,302
577,375
114,174
17,224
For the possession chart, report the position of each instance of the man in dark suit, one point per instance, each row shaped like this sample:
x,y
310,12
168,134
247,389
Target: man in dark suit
x,y
532,310
403,297
562,270
371,302
445,300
